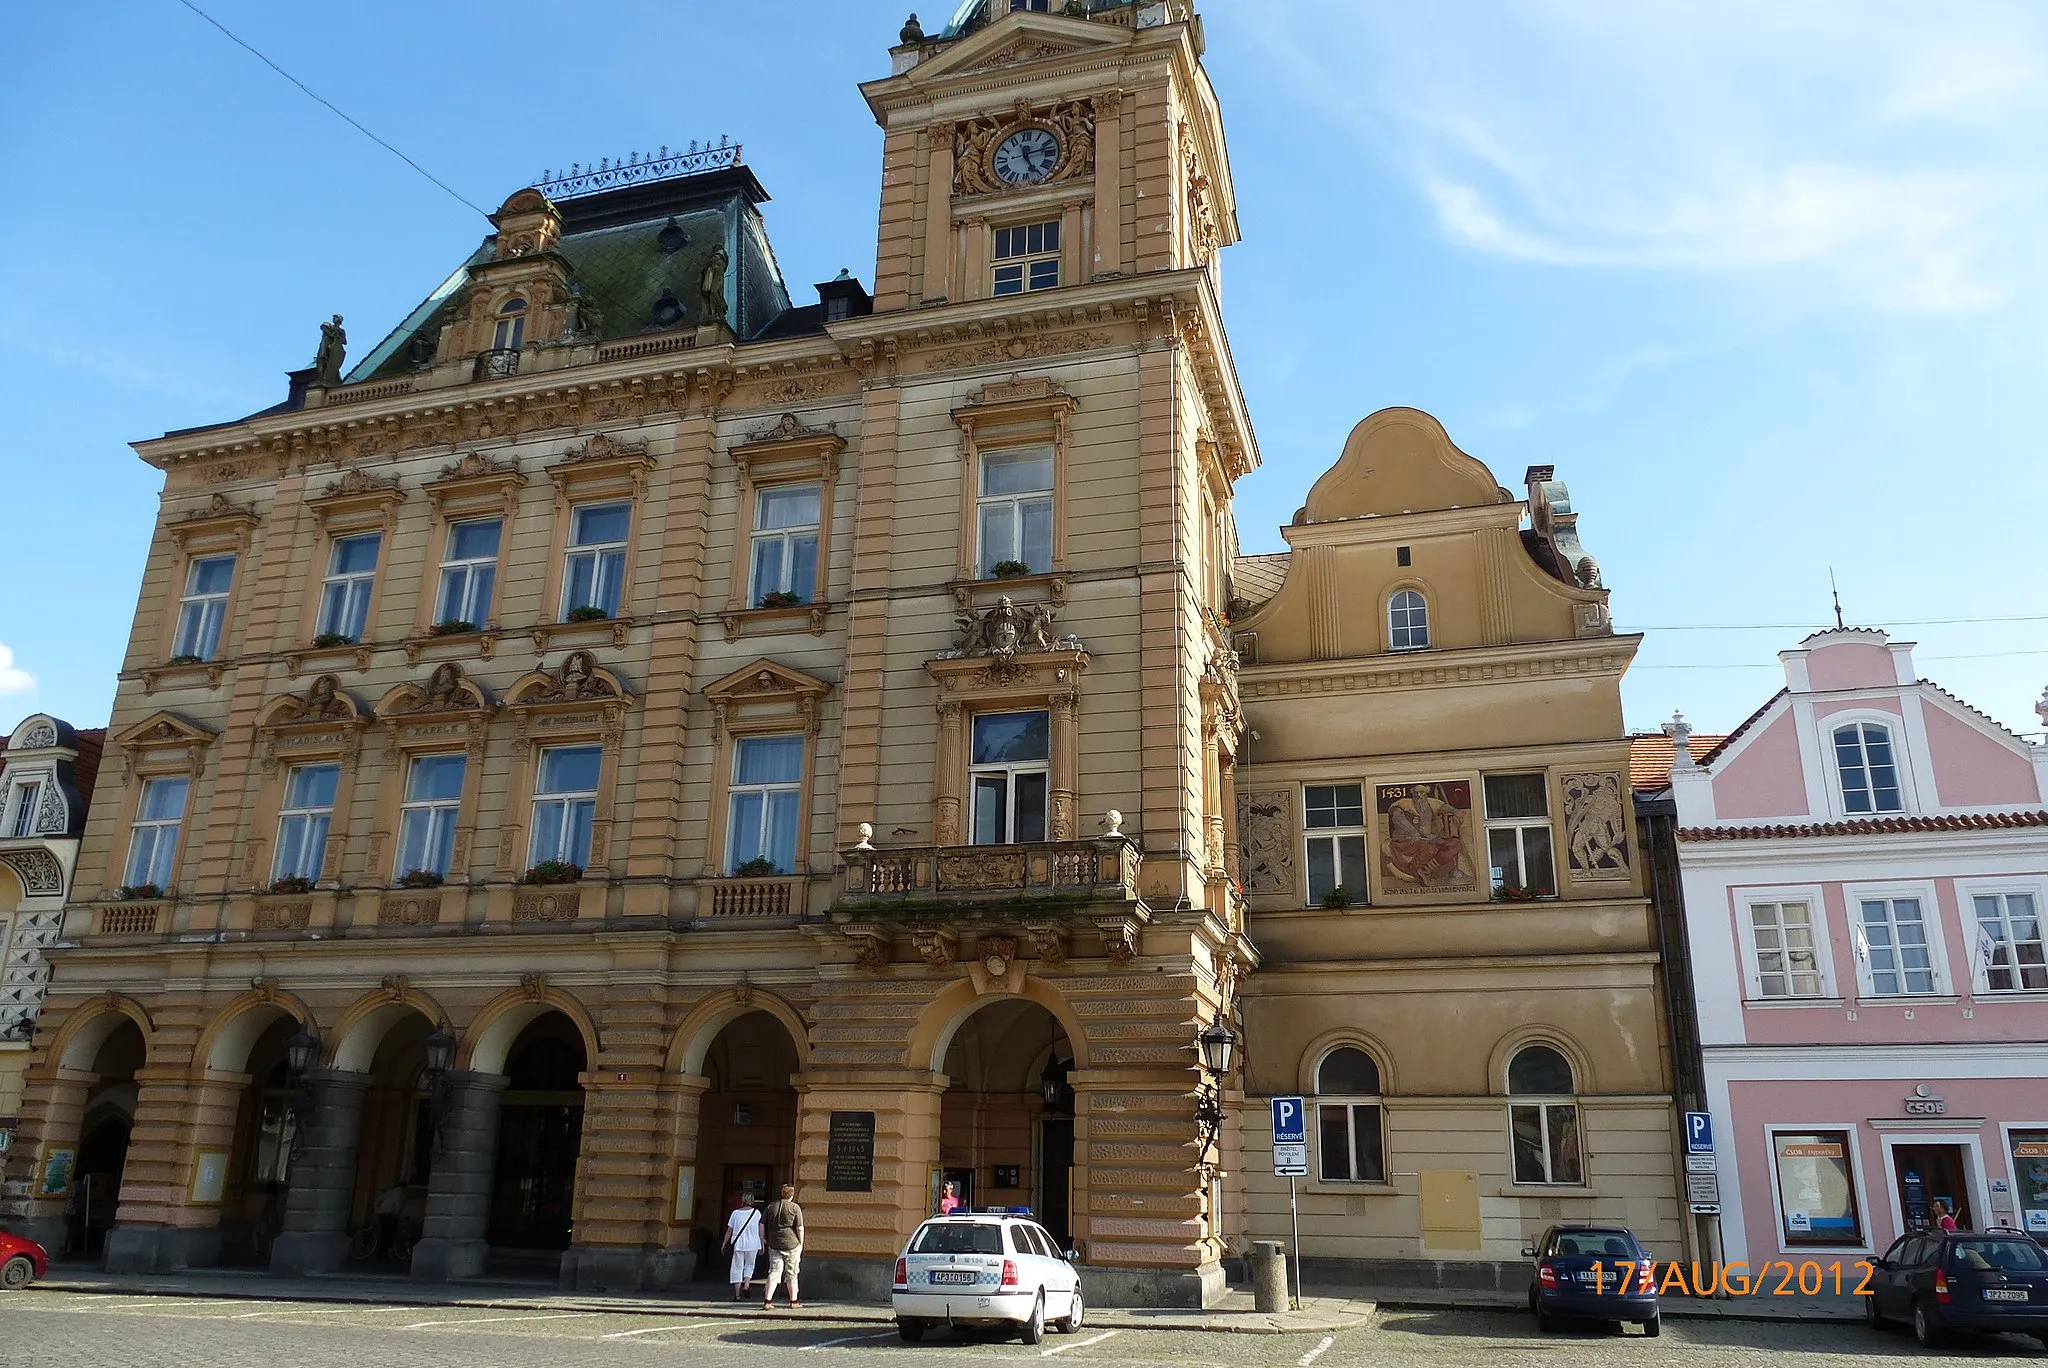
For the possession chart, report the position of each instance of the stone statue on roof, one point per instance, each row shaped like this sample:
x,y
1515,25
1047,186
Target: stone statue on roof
x,y
711,285
327,360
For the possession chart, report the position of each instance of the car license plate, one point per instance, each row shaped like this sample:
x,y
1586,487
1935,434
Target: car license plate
x,y
955,1276
2005,1294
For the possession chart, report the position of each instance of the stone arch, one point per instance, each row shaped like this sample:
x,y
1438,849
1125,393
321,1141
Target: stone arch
x,y
235,1028
943,1016
1516,1040
1312,1058
489,1038
700,1027
88,1026
363,1027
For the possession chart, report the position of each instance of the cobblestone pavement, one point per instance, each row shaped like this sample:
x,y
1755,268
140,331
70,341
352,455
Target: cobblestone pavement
x,y
54,1329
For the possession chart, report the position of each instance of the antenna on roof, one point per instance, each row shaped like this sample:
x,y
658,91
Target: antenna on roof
x,y
1837,593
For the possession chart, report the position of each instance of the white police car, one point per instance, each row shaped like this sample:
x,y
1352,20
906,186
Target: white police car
x,y
986,1269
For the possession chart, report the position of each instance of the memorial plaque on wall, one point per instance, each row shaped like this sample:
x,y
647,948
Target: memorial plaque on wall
x,y
850,1153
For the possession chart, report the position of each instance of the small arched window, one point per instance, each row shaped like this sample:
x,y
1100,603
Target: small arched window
x,y
1544,1129
511,331
1350,1123
1407,621
1869,771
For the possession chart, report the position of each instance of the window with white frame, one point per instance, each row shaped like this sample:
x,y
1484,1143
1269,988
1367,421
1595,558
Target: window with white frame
x,y
303,821
2009,949
1816,1188
21,807
153,840
345,593
565,804
1011,767
1868,770
1027,257
1407,621
767,779
595,571
204,607
1333,816
1787,962
1350,1124
469,572
1518,834
1013,511
426,821
785,545
1543,1117
510,333
1892,939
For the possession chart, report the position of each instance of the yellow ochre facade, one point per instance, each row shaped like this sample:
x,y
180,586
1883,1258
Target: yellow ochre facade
x,y
631,741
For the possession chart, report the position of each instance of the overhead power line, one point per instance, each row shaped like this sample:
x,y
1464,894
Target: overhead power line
x,y
250,48
1773,665
1817,626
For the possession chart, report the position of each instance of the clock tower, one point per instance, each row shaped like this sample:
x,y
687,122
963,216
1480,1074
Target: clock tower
x,y
1025,150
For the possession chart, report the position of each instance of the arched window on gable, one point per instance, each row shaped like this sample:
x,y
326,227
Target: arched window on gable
x,y
1350,1122
1867,767
1543,1118
1407,621
511,330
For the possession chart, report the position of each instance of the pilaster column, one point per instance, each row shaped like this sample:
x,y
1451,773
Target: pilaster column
x,y
53,1111
459,1191
948,773
158,1228
316,1209
938,215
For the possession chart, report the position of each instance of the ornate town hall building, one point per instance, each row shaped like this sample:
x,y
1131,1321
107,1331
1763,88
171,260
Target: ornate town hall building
x,y
634,739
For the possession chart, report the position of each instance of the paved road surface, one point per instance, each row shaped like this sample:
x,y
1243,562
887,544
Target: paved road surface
x,y
50,1329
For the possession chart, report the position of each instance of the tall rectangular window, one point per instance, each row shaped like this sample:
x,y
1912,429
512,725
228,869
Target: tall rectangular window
x,y
1350,1146
1895,941
1787,964
153,841
1011,768
1546,1142
785,544
204,607
767,774
426,822
1518,834
469,572
595,571
1014,511
26,796
1816,1188
303,821
1027,257
2009,949
1870,776
565,804
1334,817
345,593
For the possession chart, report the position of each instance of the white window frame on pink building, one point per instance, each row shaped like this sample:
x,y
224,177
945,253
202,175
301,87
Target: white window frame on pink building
x,y
1823,944
1931,917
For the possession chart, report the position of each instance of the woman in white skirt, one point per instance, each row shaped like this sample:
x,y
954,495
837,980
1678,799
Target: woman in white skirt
x,y
743,1241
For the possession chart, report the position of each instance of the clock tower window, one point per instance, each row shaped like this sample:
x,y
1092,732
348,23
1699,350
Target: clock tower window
x,y
1027,257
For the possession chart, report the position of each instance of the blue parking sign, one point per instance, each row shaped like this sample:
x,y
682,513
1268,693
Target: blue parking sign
x,y
1699,1133
1290,1121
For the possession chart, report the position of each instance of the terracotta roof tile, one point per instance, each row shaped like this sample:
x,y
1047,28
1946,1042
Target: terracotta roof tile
x,y
1649,758
1873,826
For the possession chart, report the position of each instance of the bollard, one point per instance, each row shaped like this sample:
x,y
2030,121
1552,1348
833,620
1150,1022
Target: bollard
x,y
1269,1275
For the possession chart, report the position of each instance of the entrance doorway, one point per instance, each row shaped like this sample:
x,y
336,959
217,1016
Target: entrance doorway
x,y
540,1135
266,1137
395,1140
1006,1121
746,1129
103,1143
1930,1173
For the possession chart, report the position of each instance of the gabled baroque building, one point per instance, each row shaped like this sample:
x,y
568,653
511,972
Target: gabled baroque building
x,y
634,739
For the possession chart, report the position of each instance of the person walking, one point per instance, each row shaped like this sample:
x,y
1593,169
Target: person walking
x,y
1944,1219
743,1242
948,1201
389,1209
785,1222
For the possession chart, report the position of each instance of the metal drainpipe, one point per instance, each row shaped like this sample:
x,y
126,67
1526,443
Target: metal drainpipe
x,y
1690,1226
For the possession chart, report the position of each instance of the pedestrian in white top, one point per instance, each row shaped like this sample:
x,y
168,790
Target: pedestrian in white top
x,y
743,1241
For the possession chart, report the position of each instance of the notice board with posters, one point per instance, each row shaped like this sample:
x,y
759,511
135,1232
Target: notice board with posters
x,y
850,1152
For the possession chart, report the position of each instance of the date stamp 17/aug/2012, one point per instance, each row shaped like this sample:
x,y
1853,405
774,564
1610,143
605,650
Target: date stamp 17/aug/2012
x,y
1772,1278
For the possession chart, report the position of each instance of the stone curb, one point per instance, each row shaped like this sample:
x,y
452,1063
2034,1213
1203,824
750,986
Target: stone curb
x,y
1207,1322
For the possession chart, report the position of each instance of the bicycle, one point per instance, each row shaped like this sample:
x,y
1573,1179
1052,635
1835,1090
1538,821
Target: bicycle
x,y
362,1244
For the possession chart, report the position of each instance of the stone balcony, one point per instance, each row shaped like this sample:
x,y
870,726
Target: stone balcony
x,y
1102,870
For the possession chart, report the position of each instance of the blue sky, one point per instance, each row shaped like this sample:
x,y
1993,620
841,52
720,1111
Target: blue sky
x,y
1764,282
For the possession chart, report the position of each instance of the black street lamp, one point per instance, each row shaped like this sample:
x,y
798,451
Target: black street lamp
x,y
299,1053
439,1082
1218,1046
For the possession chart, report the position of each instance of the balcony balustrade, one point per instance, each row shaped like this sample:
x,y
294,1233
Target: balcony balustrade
x,y
1104,869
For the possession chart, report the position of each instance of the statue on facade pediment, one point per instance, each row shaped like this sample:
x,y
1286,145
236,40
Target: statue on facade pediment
x,y
327,359
1003,629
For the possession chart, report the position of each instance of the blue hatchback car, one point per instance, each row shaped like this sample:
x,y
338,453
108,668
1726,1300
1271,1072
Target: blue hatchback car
x,y
1592,1272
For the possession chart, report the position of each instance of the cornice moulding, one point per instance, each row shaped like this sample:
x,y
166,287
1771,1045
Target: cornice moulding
x,y
1440,669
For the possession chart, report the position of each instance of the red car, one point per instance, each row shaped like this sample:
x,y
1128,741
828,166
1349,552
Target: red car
x,y
21,1261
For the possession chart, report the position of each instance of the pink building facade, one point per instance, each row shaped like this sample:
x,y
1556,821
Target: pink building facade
x,y
1865,873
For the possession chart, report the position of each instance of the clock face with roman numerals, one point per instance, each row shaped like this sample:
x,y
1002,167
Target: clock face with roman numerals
x,y
1027,156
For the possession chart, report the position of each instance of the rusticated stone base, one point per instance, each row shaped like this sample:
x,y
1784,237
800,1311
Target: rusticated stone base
x,y
587,1268
1485,1275
161,1249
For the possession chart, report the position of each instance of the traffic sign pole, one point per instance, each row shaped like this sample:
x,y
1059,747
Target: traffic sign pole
x,y
1294,1214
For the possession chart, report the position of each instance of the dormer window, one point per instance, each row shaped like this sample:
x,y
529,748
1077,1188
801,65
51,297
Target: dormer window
x,y
511,330
1870,775
1407,621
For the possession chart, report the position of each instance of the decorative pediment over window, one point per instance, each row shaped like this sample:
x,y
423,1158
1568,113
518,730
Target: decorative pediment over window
x,y
601,465
222,525
789,448
765,689
325,720
1015,403
446,710
164,729
357,499
474,482
579,694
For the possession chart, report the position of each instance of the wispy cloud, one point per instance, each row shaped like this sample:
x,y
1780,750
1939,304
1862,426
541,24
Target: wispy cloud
x,y
1872,154
110,361
13,680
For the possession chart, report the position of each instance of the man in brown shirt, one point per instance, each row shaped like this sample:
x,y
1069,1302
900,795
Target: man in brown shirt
x,y
783,1227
